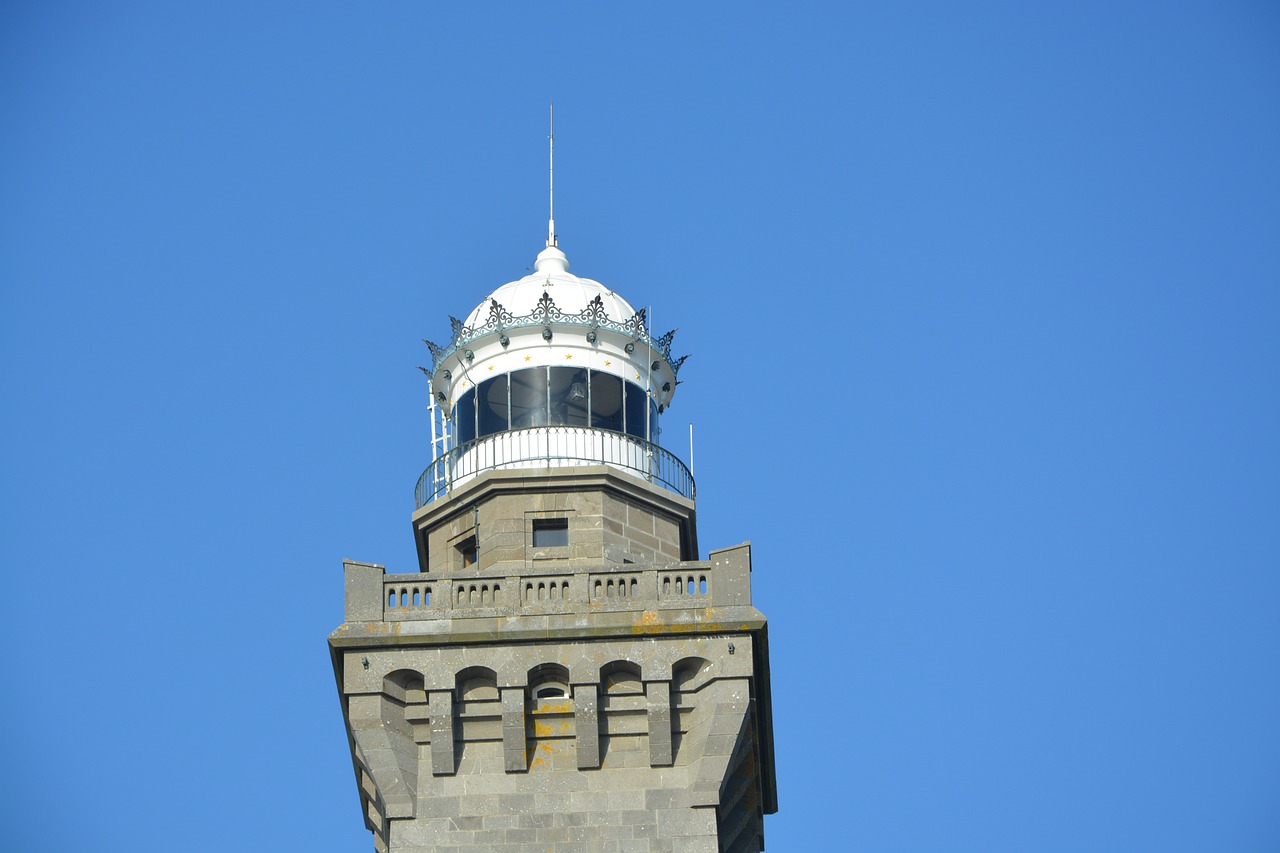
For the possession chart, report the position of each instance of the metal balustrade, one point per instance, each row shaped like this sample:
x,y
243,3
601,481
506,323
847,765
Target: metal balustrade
x,y
553,447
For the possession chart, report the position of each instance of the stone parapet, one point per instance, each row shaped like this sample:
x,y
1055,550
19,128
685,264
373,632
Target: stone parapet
x,y
372,595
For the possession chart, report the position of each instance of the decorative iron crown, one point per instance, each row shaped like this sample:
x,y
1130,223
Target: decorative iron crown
x,y
545,311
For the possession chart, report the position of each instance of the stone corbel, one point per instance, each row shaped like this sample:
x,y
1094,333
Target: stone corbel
x,y
389,753
440,704
586,725
514,750
660,746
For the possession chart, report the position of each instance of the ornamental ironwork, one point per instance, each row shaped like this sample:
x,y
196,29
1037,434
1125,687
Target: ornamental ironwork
x,y
545,312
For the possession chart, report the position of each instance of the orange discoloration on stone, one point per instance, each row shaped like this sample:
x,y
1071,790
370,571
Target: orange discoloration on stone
x,y
544,752
551,729
558,708
649,623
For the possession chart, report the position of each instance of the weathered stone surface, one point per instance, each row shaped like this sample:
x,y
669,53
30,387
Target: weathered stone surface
x,y
659,710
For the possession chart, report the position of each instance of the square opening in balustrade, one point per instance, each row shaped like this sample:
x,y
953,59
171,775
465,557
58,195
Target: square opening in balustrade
x,y
550,532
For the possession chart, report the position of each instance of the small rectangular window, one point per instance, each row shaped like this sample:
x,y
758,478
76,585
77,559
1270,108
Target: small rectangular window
x,y
468,551
550,532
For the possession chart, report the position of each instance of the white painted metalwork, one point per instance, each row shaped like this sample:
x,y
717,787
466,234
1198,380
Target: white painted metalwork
x,y
551,177
540,448
439,435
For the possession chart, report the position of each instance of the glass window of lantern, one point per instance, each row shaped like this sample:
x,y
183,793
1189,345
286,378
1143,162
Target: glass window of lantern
x,y
606,401
636,406
528,395
464,418
568,396
493,405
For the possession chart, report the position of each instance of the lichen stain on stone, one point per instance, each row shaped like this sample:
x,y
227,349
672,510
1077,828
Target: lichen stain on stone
x,y
649,623
708,620
559,728
542,755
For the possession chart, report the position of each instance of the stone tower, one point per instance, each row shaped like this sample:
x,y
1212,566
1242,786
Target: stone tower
x,y
562,672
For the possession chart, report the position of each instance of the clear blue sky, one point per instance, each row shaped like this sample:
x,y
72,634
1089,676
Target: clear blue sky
x,y
984,307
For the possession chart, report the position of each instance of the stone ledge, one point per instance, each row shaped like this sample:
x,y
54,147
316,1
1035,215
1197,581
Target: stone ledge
x,y
536,628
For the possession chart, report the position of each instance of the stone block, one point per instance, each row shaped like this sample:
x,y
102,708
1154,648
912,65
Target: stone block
x,y
656,799
732,567
639,517
587,726
433,807
514,753
363,591
659,696
498,822
687,822
442,733
488,839
552,835
585,802
642,538
520,804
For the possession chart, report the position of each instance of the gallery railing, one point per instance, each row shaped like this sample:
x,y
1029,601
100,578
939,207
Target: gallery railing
x,y
553,447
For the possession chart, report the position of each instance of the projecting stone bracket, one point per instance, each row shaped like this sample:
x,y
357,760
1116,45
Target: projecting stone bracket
x,y
389,752
661,753
724,728
515,756
442,757
586,725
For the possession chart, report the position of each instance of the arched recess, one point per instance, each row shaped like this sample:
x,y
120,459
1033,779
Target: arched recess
x,y
689,673
687,712
621,678
549,681
476,683
475,711
404,685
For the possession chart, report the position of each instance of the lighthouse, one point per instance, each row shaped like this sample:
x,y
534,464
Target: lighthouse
x,y
562,670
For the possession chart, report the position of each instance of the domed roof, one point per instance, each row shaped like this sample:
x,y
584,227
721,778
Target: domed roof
x,y
570,293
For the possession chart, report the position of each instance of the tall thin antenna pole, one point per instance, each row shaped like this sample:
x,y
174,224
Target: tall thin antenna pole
x,y
551,176
690,450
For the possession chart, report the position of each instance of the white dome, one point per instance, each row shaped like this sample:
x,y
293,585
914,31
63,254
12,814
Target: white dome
x,y
570,293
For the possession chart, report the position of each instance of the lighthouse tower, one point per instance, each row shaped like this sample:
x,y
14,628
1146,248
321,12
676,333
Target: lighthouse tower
x,y
561,672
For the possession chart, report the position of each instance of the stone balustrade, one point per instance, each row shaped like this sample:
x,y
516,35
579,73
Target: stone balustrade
x,y
374,596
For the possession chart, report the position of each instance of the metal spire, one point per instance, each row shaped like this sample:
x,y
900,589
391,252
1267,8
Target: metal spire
x,y
551,176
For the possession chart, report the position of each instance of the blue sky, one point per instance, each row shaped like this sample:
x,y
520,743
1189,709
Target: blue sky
x,y
984,307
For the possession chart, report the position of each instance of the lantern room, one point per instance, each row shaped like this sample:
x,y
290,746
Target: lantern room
x,y
551,370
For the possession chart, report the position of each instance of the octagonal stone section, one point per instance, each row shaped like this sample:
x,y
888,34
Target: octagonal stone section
x,y
612,519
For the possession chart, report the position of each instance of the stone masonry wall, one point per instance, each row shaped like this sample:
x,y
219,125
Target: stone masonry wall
x,y
526,693
610,522
632,757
